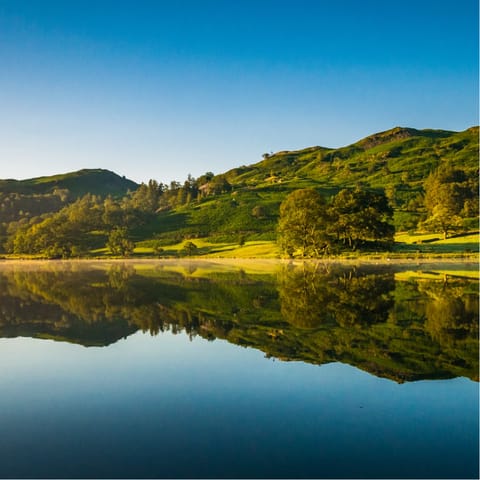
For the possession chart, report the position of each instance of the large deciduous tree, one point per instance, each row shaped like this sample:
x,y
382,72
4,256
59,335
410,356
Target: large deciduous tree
x,y
302,224
360,215
449,195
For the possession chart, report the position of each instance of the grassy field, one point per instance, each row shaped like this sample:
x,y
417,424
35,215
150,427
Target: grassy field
x,y
405,244
409,246
251,249
433,243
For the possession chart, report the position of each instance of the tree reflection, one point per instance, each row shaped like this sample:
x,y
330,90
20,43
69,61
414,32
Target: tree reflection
x,y
119,276
311,295
451,315
400,329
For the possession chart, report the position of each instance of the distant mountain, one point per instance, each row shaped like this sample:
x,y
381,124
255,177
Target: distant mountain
x,y
25,199
95,181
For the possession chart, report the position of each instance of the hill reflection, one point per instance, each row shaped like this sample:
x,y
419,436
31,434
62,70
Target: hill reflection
x,y
392,325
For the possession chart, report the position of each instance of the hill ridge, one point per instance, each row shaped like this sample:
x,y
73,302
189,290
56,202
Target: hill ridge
x,y
100,180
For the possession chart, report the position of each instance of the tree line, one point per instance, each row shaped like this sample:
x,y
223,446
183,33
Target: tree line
x,y
94,222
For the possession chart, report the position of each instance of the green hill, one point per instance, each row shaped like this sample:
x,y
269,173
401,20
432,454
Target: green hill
x,y
394,157
397,160
95,181
24,199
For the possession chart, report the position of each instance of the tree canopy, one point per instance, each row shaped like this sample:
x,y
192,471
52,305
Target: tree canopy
x,y
450,196
119,243
309,227
360,216
303,224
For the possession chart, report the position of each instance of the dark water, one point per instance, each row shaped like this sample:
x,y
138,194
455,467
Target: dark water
x,y
350,372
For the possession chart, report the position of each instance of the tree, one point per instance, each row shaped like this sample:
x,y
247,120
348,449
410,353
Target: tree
x,y
241,240
112,212
360,215
219,184
118,242
302,224
448,196
189,249
146,197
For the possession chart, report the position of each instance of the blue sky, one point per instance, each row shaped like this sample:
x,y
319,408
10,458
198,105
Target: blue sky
x,y
159,89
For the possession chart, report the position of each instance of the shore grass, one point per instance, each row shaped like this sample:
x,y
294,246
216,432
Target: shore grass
x,y
407,246
434,243
205,248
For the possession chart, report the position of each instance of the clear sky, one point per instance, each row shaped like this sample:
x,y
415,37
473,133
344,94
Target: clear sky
x,y
159,89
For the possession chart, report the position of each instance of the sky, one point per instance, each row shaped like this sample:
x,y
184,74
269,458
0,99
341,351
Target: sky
x,y
162,89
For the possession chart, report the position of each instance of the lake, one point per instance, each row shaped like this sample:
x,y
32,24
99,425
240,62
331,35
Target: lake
x,y
168,369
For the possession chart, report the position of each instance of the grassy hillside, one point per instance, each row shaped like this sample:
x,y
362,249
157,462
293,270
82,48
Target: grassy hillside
x,y
395,157
398,160
95,181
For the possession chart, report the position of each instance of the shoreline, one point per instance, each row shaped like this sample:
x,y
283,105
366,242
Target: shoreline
x,y
387,257
367,260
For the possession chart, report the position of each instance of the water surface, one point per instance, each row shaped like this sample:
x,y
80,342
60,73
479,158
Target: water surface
x,y
189,370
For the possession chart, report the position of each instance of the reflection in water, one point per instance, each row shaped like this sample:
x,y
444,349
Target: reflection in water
x,y
310,297
400,327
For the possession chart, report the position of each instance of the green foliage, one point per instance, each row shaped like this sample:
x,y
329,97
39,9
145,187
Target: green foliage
x,y
63,234
303,223
450,196
355,217
189,249
258,211
146,198
119,244
359,216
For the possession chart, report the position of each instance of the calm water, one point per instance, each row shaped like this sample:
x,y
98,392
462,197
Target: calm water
x,y
193,370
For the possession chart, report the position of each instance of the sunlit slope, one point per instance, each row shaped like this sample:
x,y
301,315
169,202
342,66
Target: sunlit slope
x,y
398,160
397,156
